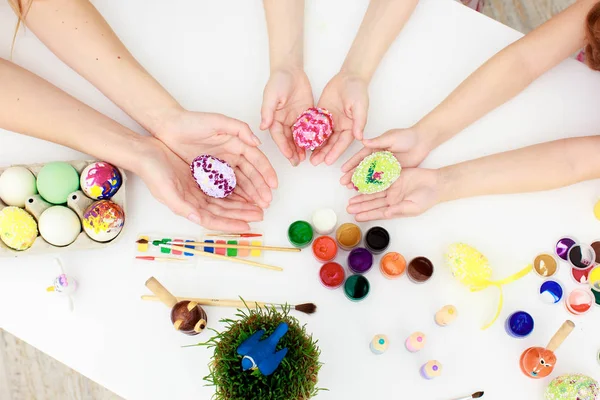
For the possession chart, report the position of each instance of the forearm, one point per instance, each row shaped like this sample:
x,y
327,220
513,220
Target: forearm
x,y
32,106
507,74
285,24
540,167
76,32
381,24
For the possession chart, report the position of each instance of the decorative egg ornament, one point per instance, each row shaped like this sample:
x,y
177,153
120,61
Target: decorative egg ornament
x,y
376,172
18,229
214,176
100,180
573,387
312,128
103,220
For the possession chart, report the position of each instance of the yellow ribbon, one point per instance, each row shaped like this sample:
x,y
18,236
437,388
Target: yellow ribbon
x,y
487,283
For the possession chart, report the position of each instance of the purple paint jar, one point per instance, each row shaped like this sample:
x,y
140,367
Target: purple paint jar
x,y
360,260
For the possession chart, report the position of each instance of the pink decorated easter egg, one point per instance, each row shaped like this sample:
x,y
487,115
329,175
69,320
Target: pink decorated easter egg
x,y
312,128
100,180
103,220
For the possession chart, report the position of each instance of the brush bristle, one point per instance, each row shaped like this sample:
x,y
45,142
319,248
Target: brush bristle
x,y
307,308
477,395
142,241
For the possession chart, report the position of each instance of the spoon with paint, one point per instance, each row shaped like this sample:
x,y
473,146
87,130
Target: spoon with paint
x,y
538,362
186,316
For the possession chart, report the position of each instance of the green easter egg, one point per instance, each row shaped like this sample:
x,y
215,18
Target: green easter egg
x,y
376,172
56,181
573,387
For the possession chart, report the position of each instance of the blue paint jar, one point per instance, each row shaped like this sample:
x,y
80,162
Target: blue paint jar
x,y
519,324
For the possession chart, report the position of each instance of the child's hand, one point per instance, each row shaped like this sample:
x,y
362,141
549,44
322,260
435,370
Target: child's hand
x,y
190,134
408,145
169,179
416,191
287,95
347,98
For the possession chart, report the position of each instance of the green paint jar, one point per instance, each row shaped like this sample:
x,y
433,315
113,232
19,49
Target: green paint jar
x,y
356,287
300,234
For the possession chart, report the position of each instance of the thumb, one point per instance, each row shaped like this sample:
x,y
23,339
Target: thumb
x,y
359,120
395,140
269,106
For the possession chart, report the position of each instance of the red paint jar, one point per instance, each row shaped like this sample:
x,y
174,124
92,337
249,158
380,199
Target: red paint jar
x,y
332,275
324,248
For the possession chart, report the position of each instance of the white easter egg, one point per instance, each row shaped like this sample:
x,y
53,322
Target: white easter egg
x,y
59,226
16,185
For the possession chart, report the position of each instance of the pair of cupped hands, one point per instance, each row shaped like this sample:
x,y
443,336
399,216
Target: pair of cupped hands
x,y
182,135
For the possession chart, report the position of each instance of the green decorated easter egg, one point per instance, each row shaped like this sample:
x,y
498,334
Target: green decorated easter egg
x,y
573,387
376,172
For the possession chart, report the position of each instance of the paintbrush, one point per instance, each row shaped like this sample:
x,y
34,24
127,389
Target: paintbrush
x,y
161,259
220,257
307,308
234,235
219,245
475,395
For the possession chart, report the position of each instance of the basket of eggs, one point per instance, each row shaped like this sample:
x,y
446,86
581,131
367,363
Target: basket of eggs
x,y
46,208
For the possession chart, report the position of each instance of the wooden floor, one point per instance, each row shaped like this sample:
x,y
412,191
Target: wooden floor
x,y
28,374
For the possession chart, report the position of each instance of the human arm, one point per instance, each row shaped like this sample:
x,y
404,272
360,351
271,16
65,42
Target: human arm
x,y
539,167
346,95
32,106
288,92
76,32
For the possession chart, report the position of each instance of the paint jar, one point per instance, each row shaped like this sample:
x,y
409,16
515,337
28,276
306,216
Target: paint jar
x,y
581,256
392,265
332,275
551,291
360,260
324,220
596,292
420,270
579,301
356,287
300,234
581,275
324,248
348,236
519,324
545,265
377,239
596,246
594,275
563,246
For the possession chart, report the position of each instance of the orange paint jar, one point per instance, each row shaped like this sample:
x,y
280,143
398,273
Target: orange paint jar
x,y
392,265
324,248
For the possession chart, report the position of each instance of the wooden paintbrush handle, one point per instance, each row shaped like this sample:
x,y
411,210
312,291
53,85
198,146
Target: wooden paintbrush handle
x,y
215,302
161,292
237,246
225,258
560,335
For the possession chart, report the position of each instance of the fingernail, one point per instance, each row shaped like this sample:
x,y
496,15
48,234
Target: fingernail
x,y
256,140
194,218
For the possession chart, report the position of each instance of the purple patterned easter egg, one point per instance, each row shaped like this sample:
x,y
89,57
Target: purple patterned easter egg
x,y
214,176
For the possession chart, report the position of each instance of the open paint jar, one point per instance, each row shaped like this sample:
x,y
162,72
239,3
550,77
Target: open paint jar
x,y
519,324
563,246
332,275
356,287
551,291
360,260
300,234
594,275
581,275
581,256
392,265
545,265
348,236
377,240
596,246
596,292
324,248
420,270
579,301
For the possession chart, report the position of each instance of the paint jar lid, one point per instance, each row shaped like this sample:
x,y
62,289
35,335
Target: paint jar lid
x,y
300,234
357,287
332,275
377,239
545,265
324,248
392,265
360,260
519,324
551,291
579,301
420,269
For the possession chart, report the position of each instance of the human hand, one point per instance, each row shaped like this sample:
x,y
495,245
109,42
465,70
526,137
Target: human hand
x,y
190,134
415,191
408,145
347,99
287,95
169,179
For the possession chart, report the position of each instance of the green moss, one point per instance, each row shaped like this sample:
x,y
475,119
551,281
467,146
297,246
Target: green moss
x,y
296,377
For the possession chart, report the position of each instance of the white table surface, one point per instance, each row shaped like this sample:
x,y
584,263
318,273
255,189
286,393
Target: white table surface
x,y
214,56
